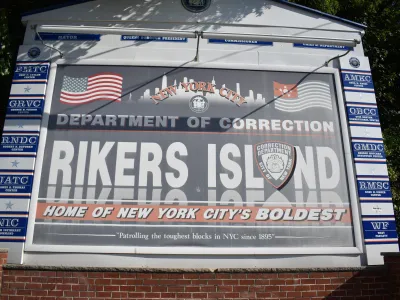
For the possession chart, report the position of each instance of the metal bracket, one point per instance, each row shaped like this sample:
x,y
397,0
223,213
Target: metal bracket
x,y
198,36
34,27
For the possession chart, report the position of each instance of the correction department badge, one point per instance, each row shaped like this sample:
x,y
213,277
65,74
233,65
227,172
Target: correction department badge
x,y
34,52
276,161
355,62
196,6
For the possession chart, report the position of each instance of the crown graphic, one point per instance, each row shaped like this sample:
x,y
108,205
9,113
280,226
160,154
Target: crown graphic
x,y
275,164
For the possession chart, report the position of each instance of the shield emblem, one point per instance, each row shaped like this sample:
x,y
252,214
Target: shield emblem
x,y
276,161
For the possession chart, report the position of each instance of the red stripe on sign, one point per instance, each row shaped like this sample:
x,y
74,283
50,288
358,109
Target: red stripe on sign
x,y
92,91
90,99
107,85
105,76
106,73
98,95
87,102
105,81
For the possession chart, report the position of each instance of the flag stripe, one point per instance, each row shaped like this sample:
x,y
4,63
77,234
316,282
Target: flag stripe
x,y
110,85
283,104
303,101
91,99
105,80
102,80
320,83
297,108
306,95
106,74
314,89
105,90
98,94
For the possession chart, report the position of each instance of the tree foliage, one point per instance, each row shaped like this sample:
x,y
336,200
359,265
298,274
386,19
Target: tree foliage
x,y
5,54
381,43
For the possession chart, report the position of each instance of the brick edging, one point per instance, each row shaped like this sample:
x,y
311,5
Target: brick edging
x,y
391,254
182,270
27,282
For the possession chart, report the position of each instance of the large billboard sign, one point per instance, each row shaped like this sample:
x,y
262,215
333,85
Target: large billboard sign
x,y
190,157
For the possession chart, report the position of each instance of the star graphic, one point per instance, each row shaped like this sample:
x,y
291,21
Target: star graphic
x,y
27,89
20,126
9,205
285,91
373,171
15,163
366,133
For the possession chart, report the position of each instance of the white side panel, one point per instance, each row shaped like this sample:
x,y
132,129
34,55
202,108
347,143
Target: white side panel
x,y
28,89
17,163
372,169
28,125
14,204
360,97
14,252
366,132
374,255
379,209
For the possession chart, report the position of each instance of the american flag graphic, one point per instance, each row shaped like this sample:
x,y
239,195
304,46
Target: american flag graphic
x,y
101,86
309,94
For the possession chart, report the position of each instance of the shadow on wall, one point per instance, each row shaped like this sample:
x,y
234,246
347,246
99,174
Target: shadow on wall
x,y
161,14
131,284
166,11
165,14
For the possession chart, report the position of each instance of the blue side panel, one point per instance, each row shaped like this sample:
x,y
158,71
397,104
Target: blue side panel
x,y
240,42
365,150
13,226
153,38
374,189
48,36
17,144
16,184
319,46
363,114
33,71
25,107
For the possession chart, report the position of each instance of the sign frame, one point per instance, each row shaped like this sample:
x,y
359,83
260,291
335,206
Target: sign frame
x,y
358,249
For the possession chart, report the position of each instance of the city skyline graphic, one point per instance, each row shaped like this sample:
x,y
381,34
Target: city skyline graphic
x,y
181,94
